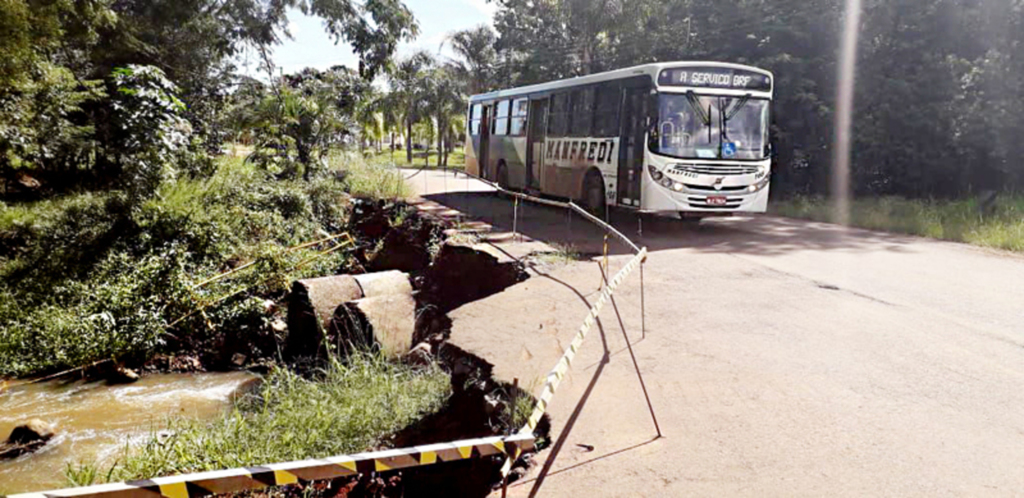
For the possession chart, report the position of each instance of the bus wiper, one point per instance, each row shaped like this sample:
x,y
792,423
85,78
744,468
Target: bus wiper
x,y
695,104
704,117
726,116
739,105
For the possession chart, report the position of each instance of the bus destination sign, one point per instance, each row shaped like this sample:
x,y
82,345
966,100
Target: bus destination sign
x,y
715,77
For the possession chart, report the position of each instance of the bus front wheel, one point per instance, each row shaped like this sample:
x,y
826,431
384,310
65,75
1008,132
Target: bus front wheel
x,y
690,219
593,194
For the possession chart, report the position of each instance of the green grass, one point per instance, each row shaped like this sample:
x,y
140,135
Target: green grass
x,y
88,276
352,407
959,220
456,159
369,177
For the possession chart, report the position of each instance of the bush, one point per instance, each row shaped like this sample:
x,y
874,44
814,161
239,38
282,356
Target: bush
x,y
85,278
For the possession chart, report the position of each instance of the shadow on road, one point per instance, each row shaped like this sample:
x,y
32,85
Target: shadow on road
x,y
761,235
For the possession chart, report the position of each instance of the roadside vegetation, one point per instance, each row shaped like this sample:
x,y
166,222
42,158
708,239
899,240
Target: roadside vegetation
x,y
1001,226
456,159
345,408
156,205
89,278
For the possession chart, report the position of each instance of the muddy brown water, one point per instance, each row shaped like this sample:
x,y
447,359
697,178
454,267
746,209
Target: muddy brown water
x,y
95,420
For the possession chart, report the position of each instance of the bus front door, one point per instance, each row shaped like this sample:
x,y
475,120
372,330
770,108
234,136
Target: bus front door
x,y
535,142
631,145
483,158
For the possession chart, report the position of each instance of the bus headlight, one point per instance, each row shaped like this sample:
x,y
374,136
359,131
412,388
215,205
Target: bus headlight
x,y
757,186
657,175
678,187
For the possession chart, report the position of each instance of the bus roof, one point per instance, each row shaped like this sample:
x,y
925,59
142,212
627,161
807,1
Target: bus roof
x,y
651,70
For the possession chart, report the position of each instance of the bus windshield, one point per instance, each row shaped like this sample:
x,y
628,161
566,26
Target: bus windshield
x,y
691,126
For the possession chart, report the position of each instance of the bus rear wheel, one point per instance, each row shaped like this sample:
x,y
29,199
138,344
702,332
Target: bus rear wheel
x,y
593,194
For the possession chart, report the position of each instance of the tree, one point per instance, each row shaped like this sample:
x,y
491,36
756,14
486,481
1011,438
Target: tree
x,y
303,117
939,83
445,96
42,122
147,130
477,58
409,81
370,117
59,55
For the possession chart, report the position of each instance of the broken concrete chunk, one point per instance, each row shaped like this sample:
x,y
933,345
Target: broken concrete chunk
x,y
314,303
387,322
383,283
310,305
462,274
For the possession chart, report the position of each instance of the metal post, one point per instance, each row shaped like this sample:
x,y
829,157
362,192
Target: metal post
x,y
643,309
512,408
568,223
604,267
515,218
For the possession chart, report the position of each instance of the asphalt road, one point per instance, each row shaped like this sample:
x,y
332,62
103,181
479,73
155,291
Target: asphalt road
x,y
781,357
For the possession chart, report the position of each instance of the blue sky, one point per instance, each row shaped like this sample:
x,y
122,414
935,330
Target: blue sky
x,y
311,47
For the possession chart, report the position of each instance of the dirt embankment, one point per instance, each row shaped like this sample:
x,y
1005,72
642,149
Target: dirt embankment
x,y
441,276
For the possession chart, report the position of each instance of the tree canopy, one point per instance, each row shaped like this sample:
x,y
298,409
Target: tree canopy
x,y
62,60
939,97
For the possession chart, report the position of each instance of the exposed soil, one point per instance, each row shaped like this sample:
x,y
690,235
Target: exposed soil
x,y
480,406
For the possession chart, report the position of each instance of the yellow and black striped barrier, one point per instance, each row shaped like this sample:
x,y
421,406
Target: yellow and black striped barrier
x,y
280,474
557,373
554,378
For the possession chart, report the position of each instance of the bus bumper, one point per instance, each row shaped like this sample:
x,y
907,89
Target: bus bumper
x,y
660,199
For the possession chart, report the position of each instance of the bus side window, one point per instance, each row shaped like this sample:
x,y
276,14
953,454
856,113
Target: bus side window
x,y
475,114
558,116
583,112
606,112
501,118
518,127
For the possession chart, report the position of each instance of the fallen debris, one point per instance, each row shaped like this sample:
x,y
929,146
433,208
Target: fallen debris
x,y
310,306
386,322
27,438
122,375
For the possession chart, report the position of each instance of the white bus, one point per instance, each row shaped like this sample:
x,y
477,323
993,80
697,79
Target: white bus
x,y
685,137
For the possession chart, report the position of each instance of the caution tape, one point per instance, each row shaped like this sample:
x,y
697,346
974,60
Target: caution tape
x,y
280,474
554,378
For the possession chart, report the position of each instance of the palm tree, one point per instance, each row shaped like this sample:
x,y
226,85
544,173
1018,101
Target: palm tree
x,y
409,78
478,58
447,100
370,119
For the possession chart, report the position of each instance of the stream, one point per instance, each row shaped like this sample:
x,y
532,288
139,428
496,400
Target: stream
x,y
95,420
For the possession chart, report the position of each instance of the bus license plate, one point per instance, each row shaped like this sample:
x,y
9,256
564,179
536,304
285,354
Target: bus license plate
x,y
716,200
